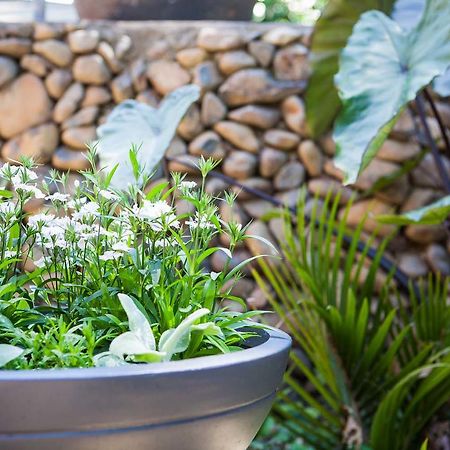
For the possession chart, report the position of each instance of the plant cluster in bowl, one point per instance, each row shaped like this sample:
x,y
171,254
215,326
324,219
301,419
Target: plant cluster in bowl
x,y
119,278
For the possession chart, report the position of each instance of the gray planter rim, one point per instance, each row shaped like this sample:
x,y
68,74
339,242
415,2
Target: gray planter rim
x,y
269,341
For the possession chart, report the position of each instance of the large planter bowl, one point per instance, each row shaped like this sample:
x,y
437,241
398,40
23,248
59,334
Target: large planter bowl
x,y
165,9
209,403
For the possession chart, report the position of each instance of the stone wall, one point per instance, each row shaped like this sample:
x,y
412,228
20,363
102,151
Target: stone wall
x,y
57,83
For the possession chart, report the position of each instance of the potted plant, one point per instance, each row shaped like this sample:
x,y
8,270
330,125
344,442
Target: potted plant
x,y
118,334
165,10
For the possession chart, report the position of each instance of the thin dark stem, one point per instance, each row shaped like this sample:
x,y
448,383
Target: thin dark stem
x,y
386,264
430,142
439,120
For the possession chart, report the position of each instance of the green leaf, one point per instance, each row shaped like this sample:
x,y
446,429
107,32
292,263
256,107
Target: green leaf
x,y
382,69
330,36
435,213
151,130
424,446
8,353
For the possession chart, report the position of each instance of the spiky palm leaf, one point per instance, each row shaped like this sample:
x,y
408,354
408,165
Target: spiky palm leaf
x,y
371,363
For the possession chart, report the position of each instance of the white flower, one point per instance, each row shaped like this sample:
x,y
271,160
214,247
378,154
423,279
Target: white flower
x,y
8,170
199,221
88,210
214,275
76,203
40,263
57,196
7,207
188,184
9,254
110,255
121,247
108,195
152,211
39,219
76,184
31,189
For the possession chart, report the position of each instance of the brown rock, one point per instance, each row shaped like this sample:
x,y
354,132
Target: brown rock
x,y
256,85
258,247
138,73
418,198
78,137
241,288
284,140
160,49
91,69
122,87
262,51
328,145
190,57
191,125
24,30
38,143
96,95
239,135
322,186
216,186
44,31
331,169
123,46
294,114
289,198
8,70
257,183
438,258
83,41
85,116
396,191
257,209
185,164
376,170
240,165
291,63
290,176
176,147
230,62
412,264
111,59
57,52
220,259
215,39
207,76
65,159
233,213
425,234
166,76
257,300
258,116
369,209
311,157
14,118
149,97
35,64
213,109
68,103
208,145
270,161
425,173
399,152
57,82
283,35
15,47
404,127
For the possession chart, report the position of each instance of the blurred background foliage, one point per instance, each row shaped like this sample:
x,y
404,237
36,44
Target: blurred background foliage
x,y
300,11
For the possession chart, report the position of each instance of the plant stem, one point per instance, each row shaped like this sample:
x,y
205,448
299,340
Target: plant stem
x,y
386,264
430,141
439,119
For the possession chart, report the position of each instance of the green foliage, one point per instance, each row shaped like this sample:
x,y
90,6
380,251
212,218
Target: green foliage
x,y
434,213
115,271
287,11
133,123
407,60
331,33
373,366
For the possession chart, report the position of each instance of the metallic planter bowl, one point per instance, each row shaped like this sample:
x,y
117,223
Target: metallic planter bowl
x,y
208,403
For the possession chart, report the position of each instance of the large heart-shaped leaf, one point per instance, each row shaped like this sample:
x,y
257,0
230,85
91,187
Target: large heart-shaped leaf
x,y
9,353
432,214
408,13
151,129
382,69
331,33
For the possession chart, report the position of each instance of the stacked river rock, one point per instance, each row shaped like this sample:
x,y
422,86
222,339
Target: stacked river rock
x,y
58,82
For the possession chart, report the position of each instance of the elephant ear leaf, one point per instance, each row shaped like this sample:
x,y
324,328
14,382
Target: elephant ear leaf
x,y
433,214
382,69
9,353
134,124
